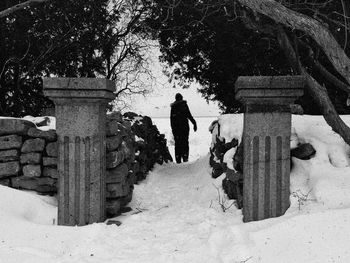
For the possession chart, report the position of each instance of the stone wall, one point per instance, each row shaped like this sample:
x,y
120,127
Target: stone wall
x,y
226,157
150,145
28,156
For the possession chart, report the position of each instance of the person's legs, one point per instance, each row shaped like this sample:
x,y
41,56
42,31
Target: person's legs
x,y
178,149
185,148
181,146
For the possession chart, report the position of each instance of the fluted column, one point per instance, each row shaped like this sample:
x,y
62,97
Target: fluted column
x,y
266,143
80,123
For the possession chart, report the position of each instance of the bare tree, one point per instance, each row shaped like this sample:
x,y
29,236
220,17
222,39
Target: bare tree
x,y
127,62
112,47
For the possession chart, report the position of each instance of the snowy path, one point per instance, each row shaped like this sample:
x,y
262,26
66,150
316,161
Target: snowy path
x,y
180,220
180,213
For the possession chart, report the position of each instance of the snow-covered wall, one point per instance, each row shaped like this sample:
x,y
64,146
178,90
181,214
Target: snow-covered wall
x,y
318,156
28,155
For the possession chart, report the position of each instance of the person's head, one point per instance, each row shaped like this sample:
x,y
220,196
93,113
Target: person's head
x,y
178,97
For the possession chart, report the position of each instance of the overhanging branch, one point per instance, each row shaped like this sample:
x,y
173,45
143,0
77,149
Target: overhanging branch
x,y
315,29
317,91
20,6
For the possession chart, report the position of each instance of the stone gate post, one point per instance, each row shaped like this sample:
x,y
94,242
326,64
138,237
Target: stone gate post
x,y
80,105
266,143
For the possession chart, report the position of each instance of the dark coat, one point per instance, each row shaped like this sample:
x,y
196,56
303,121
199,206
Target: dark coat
x,y
179,116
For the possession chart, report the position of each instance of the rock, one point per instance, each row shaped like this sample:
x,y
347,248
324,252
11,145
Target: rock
x,y
14,126
10,142
43,121
233,176
113,207
125,209
217,170
114,222
50,161
117,174
5,182
31,170
141,157
234,190
49,135
147,121
131,177
115,190
112,143
52,149
115,115
114,159
130,115
135,167
127,124
212,159
140,176
9,155
9,169
111,128
33,145
30,158
126,150
39,184
115,128
50,172
126,199
238,159
296,109
303,151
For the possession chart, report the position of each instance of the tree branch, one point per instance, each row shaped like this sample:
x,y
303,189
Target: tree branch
x,y
315,29
314,63
20,6
317,92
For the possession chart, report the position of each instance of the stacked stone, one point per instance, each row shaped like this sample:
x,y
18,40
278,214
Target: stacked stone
x,y
22,151
28,156
233,181
150,145
120,176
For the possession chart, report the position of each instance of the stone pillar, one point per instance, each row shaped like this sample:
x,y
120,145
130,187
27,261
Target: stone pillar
x,y
80,105
266,143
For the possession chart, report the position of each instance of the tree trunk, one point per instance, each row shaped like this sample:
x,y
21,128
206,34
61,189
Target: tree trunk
x,y
317,92
320,95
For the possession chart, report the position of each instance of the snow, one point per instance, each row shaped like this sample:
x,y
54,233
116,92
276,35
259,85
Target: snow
x,y
177,216
51,122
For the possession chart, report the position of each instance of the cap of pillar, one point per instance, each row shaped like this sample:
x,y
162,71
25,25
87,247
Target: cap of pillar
x,y
89,89
280,90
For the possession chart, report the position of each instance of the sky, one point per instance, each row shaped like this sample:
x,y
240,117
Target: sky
x,y
157,103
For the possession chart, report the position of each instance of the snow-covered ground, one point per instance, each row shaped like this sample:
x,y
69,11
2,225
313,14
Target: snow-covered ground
x,y
177,217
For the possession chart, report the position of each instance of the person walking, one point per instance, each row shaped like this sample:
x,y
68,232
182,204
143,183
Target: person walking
x,y
179,116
